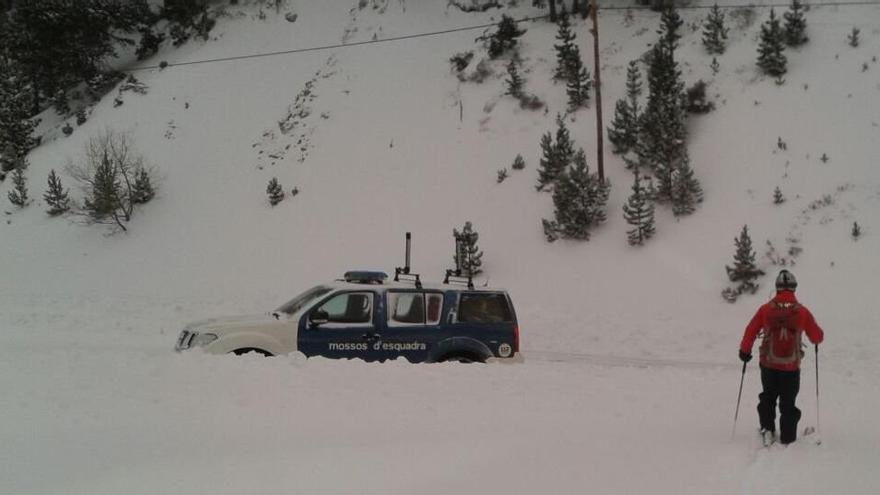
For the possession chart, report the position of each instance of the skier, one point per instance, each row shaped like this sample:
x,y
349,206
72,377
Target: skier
x,y
783,320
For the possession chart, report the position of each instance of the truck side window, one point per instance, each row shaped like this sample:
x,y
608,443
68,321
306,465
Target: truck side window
x,y
406,308
351,307
435,306
483,308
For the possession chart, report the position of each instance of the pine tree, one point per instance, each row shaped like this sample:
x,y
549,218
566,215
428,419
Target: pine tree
x,y
856,231
275,191
514,81
18,196
715,66
505,37
468,256
771,58
670,23
795,24
853,37
639,212
105,195
579,198
578,89
16,128
518,163
744,269
555,156
714,32
624,129
142,191
565,48
686,189
778,198
55,196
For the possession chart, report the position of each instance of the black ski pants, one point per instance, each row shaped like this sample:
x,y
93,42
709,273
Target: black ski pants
x,y
782,386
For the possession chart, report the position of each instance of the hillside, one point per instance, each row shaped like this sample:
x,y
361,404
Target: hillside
x,y
630,370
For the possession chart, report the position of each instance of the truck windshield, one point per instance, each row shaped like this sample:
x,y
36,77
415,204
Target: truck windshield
x,y
301,300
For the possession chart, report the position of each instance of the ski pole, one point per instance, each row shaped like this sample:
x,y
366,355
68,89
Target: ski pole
x,y
817,387
738,397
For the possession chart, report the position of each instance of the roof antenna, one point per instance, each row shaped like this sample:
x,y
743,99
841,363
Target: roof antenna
x,y
405,270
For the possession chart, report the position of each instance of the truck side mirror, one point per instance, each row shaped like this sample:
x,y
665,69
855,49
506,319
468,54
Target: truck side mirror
x,y
318,317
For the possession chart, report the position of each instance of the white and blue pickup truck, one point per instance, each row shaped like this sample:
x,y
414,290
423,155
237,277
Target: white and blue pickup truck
x,y
367,317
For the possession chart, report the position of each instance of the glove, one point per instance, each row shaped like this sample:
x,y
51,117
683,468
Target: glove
x,y
745,356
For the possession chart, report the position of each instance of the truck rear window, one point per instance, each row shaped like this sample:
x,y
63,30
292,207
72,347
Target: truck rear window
x,y
484,308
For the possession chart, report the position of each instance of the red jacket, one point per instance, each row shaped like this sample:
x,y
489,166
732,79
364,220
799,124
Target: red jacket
x,y
797,317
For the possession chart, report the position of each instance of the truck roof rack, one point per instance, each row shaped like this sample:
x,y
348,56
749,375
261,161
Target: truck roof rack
x,y
455,277
405,270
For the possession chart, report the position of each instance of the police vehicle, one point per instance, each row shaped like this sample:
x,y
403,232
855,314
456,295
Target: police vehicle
x,y
366,316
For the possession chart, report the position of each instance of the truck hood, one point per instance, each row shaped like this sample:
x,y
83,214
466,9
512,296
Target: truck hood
x,y
233,321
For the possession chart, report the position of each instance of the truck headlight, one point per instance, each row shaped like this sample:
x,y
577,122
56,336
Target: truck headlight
x,y
189,338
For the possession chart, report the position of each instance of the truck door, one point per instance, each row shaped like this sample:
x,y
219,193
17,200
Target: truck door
x,y
412,324
344,325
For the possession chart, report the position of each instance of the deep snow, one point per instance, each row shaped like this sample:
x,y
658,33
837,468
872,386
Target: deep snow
x,y
629,382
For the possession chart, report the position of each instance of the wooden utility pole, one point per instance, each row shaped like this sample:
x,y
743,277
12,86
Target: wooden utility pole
x,y
600,164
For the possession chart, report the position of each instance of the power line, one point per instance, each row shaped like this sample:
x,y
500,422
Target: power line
x,y
468,28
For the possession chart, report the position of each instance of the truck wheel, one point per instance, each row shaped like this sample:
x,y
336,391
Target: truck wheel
x,y
247,350
462,358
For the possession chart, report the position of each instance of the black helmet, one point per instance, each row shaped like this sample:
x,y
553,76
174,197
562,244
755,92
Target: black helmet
x,y
786,281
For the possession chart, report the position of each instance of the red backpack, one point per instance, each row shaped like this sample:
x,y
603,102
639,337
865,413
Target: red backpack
x,y
782,339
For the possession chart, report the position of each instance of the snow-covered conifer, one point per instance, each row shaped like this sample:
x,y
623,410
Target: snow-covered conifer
x,y
579,200
624,129
714,31
555,156
514,81
744,269
778,198
275,191
578,88
853,37
142,191
771,58
518,163
55,196
18,196
505,37
686,190
565,48
856,231
639,212
795,24
468,256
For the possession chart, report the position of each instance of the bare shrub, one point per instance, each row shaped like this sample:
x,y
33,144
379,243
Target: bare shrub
x,y
113,178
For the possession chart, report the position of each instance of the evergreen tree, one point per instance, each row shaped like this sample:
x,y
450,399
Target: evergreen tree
x,y
19,193
744,269
686,189
853,37
514,81
662,138
715,66
579,198
795,24
670,23
778,198
468,256
578,89
555,156
16,128
624,129
639,212
771,58
142,191
518,163
55,196
105,195
714,32
565,48
505,37
275,191
856,231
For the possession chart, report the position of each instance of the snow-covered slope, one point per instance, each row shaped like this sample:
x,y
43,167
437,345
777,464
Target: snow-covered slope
x,y
630,375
